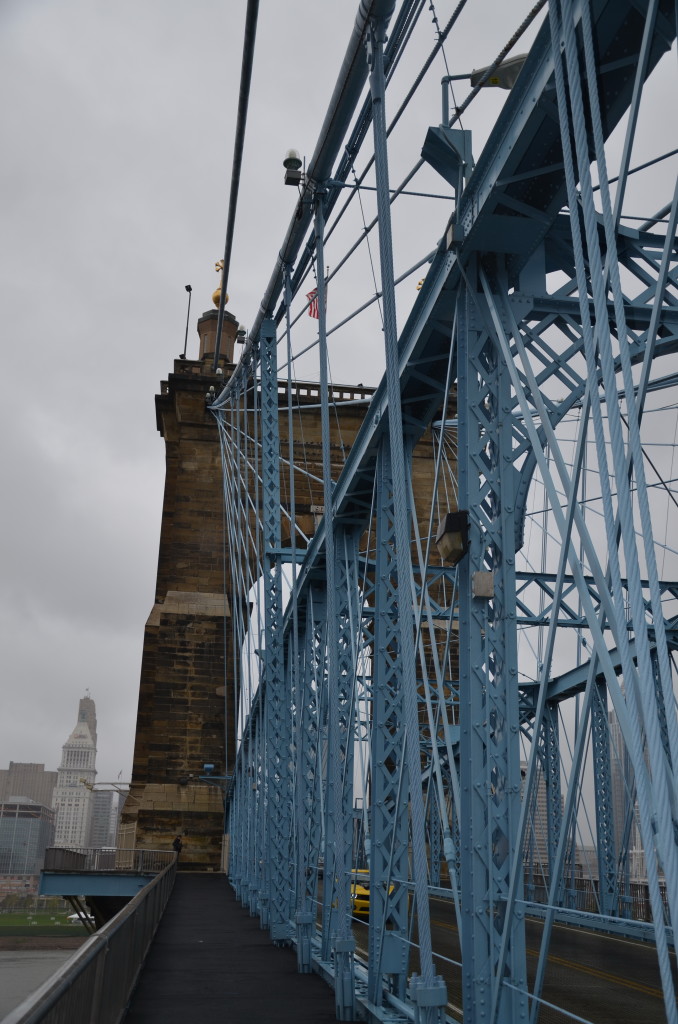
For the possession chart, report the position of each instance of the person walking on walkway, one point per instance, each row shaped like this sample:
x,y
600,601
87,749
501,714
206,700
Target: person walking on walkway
x,y
177,845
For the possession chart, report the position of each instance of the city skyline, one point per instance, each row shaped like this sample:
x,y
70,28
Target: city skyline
x,y
48,762
81,814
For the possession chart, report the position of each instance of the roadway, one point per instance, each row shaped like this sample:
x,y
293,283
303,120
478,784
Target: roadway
x,y
209,956
598,977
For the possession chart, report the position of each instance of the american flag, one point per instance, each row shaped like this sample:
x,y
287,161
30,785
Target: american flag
x,y
313,304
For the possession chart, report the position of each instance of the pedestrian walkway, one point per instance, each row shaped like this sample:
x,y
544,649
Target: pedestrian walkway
x,y
211,963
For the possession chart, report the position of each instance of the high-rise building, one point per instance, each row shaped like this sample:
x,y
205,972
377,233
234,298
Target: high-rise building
x,y
26,781
73,796
26,829
624,805
536,836
104,818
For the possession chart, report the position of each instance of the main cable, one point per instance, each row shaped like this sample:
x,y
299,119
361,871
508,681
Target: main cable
x,y
303,264
238,146
391,58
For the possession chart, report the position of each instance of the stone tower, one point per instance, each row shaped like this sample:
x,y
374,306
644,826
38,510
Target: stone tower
x,y
182,703
185,708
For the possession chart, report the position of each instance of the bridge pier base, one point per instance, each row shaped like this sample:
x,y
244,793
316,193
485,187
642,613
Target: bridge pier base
x,y
304,924
344,980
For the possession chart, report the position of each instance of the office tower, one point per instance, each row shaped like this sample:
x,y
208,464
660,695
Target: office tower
x,y
27,781
536,836
73,796
628,846
26,829
104,818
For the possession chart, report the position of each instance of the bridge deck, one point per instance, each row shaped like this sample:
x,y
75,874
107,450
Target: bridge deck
x,y
211,962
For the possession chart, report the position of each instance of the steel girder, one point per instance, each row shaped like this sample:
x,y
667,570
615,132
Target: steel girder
x,y
341,754
527,356
607,853
389,818
489,751
308,733
428,991
277,696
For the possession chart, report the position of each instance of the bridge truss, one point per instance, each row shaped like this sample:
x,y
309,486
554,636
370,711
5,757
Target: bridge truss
x,y
502,731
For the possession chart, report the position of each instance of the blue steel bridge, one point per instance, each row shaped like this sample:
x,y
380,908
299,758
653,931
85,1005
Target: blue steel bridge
x,y
471,692
462,677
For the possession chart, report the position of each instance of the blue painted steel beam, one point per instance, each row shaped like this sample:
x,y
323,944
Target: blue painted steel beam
x,y
277,884
492,931
517,189
90,883
309,737
389,825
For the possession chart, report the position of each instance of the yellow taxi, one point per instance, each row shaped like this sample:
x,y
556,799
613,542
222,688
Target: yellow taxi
x,y
360,892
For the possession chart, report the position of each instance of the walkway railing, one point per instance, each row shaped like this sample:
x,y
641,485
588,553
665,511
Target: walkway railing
x,y
95,985
86,859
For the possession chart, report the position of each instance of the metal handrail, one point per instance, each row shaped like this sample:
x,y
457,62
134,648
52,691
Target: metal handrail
x,y
94,986
79,858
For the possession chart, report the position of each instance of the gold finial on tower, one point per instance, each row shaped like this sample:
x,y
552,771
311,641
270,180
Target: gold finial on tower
x,y
216,295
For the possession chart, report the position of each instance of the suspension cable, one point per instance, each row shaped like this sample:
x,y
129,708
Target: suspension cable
x,y
522,28
238,146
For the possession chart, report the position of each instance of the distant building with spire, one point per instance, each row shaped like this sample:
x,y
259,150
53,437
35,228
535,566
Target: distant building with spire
x,y
73,796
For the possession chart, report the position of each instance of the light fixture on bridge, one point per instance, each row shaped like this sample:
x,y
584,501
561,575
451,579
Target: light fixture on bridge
x,y
504,76
452,536
241,334
292,164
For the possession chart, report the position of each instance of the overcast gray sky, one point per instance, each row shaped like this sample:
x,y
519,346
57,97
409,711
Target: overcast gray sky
x,y
117,131
117,136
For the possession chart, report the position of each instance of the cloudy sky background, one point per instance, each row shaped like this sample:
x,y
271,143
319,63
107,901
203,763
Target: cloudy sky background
x,y
117,132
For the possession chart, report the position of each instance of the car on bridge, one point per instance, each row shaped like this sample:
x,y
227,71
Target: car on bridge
x,y
360,892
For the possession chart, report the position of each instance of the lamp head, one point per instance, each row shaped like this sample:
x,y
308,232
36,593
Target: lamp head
x,y
504,76
292,164
292,161
452,536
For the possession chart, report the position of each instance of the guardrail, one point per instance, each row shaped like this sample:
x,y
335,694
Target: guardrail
x,y
95,985
85,859
582,895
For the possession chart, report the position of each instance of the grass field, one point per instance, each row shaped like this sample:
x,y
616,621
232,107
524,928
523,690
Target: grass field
x,y
17,922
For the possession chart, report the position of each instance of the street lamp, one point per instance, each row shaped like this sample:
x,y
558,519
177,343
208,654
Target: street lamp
x,y
504,76
452,536
292,165
448,150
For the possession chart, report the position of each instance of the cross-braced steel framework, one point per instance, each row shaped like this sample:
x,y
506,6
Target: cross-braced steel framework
x,y
454,730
